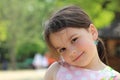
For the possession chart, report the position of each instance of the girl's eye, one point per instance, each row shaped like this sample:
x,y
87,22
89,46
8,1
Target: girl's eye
x,y
62,50
73,40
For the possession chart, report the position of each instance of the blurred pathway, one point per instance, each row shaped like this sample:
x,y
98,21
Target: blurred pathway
x,y
22,75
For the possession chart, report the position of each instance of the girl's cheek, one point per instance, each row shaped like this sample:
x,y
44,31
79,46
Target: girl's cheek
x,y
82,42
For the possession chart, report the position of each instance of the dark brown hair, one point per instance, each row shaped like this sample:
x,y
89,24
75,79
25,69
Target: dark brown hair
x,y
71,16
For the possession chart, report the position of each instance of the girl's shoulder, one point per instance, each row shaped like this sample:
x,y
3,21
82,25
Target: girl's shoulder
x,y
51,71
54,66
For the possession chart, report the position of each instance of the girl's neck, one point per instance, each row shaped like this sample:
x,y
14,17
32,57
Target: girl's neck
x,y
96,64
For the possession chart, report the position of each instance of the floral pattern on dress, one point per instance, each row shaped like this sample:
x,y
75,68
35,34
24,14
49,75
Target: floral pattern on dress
x,y
75,73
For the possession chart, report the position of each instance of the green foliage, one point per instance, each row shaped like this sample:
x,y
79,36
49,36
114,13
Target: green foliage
x,y
3,31
21,21
25,23
113,5
29,49
100,11
103,19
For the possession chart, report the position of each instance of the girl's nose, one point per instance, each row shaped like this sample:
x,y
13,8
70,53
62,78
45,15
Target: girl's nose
x,y
72,52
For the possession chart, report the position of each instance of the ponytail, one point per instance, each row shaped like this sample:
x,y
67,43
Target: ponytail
x,y
102,51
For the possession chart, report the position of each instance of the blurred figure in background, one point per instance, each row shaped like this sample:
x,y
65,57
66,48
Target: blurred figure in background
x,y
4,64
39,61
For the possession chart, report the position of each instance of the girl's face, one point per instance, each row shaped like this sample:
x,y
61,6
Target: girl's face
x,y
76,45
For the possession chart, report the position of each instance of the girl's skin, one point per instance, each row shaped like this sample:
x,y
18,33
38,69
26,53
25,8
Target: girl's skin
x,y
71,36
76,46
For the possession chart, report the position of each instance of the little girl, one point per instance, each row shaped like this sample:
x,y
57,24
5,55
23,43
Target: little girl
x,y
80,54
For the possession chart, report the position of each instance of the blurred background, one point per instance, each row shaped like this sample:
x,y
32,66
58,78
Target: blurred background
x,y
22,46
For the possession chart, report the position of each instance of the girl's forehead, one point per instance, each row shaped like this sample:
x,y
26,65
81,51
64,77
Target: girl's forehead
x,y
65,32
61,32
60,37
63,36
68,31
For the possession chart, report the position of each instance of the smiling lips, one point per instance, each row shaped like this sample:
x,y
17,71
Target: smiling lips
x,y
78,57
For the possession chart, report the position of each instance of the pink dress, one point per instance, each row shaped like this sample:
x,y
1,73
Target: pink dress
x,y
75,73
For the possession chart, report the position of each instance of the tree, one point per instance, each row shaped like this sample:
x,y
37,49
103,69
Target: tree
x,y
24,22
21,20
102,12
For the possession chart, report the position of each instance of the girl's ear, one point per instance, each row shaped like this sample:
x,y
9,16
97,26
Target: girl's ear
x,y
92,29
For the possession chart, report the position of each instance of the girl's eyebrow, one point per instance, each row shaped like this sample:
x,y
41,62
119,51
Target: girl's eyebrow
x,y
68,39
72,36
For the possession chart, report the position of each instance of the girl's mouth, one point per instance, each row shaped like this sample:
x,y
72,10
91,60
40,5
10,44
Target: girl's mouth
x,y
78,57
